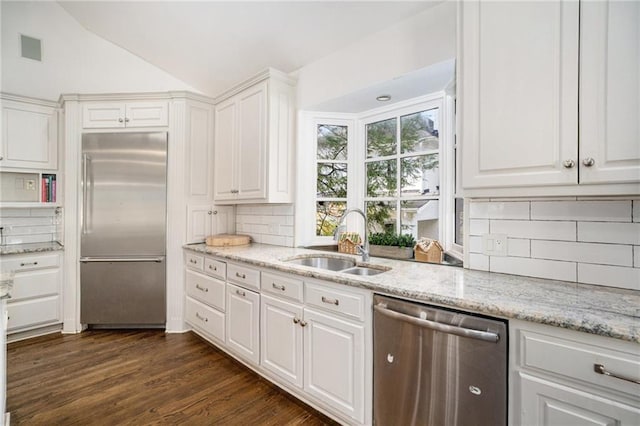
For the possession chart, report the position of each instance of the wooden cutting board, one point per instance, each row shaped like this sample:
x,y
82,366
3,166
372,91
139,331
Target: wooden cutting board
x,y
225,240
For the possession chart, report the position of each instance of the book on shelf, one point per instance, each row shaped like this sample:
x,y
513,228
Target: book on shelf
x,y
49,188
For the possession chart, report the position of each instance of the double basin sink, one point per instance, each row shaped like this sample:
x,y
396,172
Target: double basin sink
x,y
344,265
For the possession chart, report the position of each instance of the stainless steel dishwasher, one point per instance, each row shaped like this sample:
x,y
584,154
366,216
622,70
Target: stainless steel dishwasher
x,y
437,367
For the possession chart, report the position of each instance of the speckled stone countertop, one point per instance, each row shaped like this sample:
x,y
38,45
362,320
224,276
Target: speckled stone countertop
x,y
30,248
593,309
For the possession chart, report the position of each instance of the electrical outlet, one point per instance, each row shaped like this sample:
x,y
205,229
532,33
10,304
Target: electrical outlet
x,y
31,185
494,244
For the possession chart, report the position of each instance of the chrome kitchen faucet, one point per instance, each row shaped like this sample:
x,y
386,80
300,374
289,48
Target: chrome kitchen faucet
x,y
363,248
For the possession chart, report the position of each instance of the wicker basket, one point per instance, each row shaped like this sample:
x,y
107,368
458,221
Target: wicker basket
x,y
349,242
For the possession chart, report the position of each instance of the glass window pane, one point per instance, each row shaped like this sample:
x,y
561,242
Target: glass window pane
x,y
332,142
332,180
420,175
420,218
458,220
328,213
419,131
381,138
381,216
382,178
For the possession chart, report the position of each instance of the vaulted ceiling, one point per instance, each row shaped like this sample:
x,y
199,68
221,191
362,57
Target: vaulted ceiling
x,y
211,45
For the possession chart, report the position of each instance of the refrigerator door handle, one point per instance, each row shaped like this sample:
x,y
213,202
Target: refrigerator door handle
x,y
121,259
85,192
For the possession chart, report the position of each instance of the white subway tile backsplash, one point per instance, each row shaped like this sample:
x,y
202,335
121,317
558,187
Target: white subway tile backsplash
x,y
605,211
283,209
636,210
608,254
23,226
479,262
276,240
15,212
475,244
540,268
518,247
478,226
499,210
286,230
636,256
266,223
603,232
539,230
612,276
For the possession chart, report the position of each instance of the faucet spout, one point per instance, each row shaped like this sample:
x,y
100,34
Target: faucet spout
x,y
364,248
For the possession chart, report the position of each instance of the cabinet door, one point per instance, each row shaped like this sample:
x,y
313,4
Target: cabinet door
x,y
610,91
243,323
334,370
552,404
223,220
29,136
103,115
281,339
518,93
224,151
146,114
200,151
199,220
252,140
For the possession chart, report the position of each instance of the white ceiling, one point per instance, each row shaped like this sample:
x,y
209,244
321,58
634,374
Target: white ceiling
x,y
212,45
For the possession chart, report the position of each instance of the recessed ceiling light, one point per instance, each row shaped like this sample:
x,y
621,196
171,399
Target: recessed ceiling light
x,y
383,98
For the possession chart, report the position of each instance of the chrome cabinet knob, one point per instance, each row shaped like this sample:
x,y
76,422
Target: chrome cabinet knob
x,y
588,162
568,164
126,120
120,120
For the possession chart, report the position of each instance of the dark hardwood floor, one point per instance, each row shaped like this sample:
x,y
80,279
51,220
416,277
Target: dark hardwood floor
x,y
140,377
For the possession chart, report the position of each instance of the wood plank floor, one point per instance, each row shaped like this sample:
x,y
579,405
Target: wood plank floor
x,y
138,378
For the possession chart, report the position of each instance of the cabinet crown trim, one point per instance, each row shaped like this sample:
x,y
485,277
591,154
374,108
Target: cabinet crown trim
x,y
25,99
269,73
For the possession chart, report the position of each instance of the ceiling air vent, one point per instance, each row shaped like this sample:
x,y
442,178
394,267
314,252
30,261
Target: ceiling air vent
x,y
30,48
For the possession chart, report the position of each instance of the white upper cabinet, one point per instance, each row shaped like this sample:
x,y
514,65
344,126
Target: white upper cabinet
x,y
107,115
29,134
609,91
206,220
548,98
254,125
199,142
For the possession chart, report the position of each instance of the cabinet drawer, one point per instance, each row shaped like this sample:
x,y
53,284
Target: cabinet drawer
x,y
205,318
243,276
194,261
30,284
575,360
344,302
206,289
215,268
283,286
32,313
29,263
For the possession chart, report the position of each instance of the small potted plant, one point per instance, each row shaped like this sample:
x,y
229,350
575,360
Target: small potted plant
x,y
395,246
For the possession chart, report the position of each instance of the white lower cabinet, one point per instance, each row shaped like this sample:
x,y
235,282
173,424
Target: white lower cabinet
x,y
555,382
206,296
36,298
205,318
243,320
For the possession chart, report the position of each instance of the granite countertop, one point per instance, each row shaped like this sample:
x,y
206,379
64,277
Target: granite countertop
x,y
593,309
30,248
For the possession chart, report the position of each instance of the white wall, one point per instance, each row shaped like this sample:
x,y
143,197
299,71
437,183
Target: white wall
x,y
420,41
74,60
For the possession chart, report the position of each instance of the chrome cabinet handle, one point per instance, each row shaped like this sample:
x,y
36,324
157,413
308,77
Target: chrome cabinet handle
x,y
303,323
120,120
201,318
193,261
330,301
278,287
206,290
241,293
28,263
234,191
296,320
126,120
588,162
215,268
243,276
1,158
600,369
212,212
568,164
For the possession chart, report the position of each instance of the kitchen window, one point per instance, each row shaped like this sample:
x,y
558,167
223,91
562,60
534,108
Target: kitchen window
x,y
397,163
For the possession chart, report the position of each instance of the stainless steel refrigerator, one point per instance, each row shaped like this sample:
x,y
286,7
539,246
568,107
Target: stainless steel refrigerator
x,y
123,229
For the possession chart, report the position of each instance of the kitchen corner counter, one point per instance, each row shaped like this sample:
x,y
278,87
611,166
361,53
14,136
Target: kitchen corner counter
x,y
30,248
592,309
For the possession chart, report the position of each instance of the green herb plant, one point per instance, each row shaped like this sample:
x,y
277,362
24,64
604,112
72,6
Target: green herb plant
x,y
391,239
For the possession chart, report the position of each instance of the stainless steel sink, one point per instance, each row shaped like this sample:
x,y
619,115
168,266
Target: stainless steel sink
x,y
329,263
363,270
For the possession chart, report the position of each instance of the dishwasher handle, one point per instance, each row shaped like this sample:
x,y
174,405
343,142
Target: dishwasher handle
x,y
445,328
